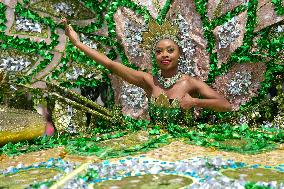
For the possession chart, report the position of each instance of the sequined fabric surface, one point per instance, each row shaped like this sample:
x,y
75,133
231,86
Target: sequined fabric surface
x,y
16,125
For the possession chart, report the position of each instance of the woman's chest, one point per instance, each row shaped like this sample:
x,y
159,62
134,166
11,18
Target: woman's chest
x,y
175,92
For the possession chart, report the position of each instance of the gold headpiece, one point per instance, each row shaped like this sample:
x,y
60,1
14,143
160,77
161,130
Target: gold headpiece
x,y
158,32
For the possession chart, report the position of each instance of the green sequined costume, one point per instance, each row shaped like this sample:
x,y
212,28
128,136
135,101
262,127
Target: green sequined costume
x,y
163,111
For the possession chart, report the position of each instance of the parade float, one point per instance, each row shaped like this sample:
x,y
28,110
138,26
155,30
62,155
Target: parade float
x,y
107,133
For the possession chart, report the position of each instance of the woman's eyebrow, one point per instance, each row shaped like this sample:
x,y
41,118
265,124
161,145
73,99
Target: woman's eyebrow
x,y
170,46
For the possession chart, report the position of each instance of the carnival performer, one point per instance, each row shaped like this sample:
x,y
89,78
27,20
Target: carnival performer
x,y
169,81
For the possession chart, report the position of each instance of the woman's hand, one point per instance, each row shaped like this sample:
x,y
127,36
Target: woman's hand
x,y
69,31
187,102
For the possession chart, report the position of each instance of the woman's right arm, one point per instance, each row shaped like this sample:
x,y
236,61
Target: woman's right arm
x,y
138,78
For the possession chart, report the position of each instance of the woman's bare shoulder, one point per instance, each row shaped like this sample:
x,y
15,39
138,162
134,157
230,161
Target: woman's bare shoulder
x,y
189,78
192,81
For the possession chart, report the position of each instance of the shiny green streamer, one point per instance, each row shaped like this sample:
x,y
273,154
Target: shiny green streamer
x,y
279,7
3,19
162,14
99,8
253,185
226,17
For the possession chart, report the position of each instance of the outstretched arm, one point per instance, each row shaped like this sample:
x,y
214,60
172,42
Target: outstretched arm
x,y
211,99
137,78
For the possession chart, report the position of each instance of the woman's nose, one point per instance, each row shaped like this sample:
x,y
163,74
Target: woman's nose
x,y
165,54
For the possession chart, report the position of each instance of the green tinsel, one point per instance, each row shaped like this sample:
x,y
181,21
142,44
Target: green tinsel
x,y
279,7
3,19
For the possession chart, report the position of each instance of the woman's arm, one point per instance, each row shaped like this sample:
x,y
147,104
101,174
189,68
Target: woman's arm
x,y
137,78
211,99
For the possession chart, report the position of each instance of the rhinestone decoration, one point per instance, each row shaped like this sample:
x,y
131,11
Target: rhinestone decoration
x,y
69,114
239,84
76,72
65,167
27,25
186,65
133,97
228,33
279,29
278,121
133,37
63,8
205,172
11,64
68,119
85,40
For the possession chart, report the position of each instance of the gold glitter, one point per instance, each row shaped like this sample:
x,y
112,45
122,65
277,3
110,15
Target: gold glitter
x,y
157,32
16,125
163,101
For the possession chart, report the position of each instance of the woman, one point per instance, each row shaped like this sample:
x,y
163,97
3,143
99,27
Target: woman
x,y
168,82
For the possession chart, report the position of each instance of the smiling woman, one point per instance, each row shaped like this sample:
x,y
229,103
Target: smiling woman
x,y
169,81
167,56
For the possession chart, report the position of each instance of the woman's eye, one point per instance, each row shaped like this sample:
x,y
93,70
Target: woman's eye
x,y
158,51
171,50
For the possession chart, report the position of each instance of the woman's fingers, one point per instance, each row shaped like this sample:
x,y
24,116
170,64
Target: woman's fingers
x,y
64,21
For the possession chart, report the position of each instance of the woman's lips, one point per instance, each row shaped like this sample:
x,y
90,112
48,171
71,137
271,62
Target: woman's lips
x,y
166,62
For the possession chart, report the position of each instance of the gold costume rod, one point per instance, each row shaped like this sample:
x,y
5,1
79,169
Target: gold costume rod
x,y
79,99
81,107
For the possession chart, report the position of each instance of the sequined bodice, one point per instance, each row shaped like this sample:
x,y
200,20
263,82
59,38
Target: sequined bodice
x,y
164,111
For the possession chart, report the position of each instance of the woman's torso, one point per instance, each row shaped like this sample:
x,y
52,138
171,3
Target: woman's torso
x,y
164,104
182,87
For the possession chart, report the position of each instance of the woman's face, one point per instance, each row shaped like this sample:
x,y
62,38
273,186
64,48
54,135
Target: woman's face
x,y
167,54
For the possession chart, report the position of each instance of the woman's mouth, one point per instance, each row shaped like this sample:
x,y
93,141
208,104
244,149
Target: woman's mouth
x,y
165,62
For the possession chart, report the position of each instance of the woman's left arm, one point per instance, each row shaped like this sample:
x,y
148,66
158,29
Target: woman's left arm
x,y
211,99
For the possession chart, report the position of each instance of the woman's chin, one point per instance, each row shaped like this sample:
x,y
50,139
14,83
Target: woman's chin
x,y
165,67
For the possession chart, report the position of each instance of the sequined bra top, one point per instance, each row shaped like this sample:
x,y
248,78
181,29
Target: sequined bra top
x,y
164,111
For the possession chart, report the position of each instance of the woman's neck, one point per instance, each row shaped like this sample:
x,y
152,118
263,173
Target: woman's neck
x,y
169,73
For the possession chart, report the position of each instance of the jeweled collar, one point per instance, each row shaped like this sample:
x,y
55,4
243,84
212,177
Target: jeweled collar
x,y
168,82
